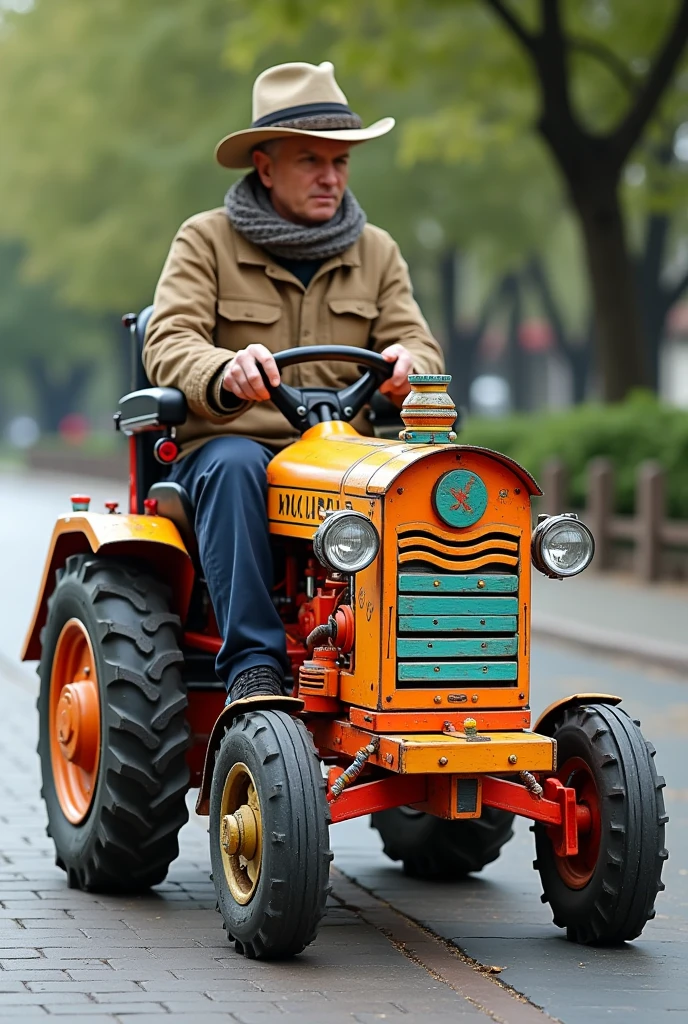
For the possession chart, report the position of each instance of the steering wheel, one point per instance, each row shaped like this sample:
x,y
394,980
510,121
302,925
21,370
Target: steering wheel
x,y
304,407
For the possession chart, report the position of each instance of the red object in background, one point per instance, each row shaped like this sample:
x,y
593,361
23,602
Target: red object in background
x,y
677,320
535,335
74,428
150,506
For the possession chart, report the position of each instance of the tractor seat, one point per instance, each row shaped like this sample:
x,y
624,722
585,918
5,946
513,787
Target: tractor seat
x,y
174,503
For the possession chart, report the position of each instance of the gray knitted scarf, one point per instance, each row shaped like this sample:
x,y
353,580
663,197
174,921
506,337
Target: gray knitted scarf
x,y
251,212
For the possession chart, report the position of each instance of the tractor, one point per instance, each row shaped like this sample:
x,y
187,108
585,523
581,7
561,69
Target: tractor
x,y
403,579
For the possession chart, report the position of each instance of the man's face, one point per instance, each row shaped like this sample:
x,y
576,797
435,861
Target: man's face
x,y
306,177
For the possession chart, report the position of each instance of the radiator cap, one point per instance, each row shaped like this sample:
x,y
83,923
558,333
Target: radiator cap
x,y
428,411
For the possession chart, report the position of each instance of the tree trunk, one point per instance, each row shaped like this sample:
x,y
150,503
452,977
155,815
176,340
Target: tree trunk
x,y
618,322
56,399
653,294
518,370
458,354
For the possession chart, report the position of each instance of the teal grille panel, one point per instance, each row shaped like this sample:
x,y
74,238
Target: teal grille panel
x,y
431,672
458,627
430,605
457,623
472,583
495,647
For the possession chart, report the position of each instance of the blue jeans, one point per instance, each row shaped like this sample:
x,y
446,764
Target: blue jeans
x,y
226,481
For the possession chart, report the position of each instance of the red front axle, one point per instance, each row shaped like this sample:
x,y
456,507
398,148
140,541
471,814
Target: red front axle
x,y
556,808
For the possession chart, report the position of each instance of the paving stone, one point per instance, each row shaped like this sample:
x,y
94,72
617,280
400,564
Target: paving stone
x,y
93,987
43,999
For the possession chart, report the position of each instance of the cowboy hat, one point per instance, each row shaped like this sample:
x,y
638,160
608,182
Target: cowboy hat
x,y
297,99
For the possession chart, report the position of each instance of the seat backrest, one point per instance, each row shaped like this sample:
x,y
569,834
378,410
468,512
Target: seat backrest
x,y
139,380
148,470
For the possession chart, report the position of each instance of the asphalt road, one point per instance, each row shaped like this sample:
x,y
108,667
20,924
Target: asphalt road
x,y
496,919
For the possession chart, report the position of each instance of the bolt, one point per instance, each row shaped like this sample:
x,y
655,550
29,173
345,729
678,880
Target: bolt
x,y
400,490
301,410
437,668
512,759
438,700
87,670
475,698
442,761
348,411
435,583
521,696
481,584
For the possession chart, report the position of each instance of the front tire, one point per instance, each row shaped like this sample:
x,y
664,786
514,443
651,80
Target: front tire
x,y
269,837
606,893
438,850
112,726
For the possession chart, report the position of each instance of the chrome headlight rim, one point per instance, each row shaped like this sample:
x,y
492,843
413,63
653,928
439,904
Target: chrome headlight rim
x,y
325,529
537,546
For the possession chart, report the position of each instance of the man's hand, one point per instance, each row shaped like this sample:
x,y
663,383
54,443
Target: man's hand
x,y
242,376
397,387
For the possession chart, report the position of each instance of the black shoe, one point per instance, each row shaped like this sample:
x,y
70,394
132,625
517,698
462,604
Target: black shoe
x,y
263,680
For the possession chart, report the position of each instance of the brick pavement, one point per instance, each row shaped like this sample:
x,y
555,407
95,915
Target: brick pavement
x,y
100,959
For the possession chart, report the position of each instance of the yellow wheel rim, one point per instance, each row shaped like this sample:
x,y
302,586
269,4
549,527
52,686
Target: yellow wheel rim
x,y
241,833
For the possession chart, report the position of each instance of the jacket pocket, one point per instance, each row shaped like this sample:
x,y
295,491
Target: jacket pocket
x,y
248,311
351,321
244,322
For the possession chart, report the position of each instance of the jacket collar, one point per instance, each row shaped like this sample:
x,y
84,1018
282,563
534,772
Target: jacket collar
x,y
249,254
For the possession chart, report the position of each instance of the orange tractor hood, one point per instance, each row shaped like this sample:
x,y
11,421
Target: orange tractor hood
x,y
334,458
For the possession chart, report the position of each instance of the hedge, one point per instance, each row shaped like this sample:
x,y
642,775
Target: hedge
x,y
627,433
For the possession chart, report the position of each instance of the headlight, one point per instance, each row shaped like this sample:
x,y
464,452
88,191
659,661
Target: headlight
x,y
346,542
562,546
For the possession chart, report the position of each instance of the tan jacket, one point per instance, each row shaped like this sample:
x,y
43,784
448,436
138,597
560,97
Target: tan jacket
x,y
219,293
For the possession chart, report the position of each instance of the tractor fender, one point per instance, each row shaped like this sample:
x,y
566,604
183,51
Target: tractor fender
x,y
545,722
292,706
152,539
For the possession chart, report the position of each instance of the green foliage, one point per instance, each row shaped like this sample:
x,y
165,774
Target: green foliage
x,y
627,433
109,113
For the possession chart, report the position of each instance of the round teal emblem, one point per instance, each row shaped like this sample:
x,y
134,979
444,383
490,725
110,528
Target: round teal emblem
x,y
460,497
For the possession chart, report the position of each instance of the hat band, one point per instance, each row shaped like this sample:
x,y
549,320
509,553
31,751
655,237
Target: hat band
x,y
304,110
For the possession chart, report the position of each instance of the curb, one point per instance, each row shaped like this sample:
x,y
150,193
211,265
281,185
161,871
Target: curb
x,y
656,653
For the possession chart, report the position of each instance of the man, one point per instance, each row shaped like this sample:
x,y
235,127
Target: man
x,y
288,261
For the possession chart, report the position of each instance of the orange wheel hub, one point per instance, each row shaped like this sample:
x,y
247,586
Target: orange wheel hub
x,y
577,871
74,721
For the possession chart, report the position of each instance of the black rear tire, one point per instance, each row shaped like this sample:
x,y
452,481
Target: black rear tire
x,y
606,895
129,836
284,910
435,849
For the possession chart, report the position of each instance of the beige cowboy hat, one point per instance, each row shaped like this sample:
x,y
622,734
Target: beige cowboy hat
x,y
297,99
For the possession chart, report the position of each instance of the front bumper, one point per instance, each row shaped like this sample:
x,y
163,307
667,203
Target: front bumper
x,y
440,753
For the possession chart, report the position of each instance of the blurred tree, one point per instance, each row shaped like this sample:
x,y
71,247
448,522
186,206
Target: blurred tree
x,y
497,70
108,114
57,349
108,117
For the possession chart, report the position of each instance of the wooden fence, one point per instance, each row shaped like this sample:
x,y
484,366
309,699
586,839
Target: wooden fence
x,y
647,543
